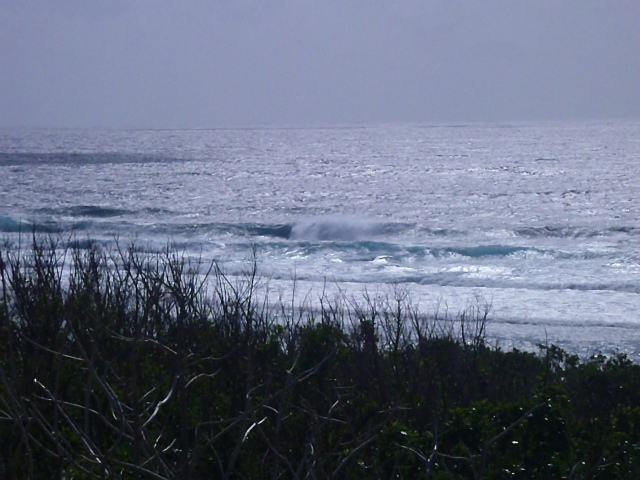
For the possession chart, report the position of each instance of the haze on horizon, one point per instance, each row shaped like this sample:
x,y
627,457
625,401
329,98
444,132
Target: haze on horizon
x,y
219,63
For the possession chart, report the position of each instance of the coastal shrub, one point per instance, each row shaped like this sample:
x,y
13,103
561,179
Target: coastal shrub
x,y
121,363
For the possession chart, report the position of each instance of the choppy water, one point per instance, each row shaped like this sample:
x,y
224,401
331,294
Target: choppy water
x,y
542,220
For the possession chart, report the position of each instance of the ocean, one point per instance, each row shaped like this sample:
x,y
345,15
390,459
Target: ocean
x,y
539,220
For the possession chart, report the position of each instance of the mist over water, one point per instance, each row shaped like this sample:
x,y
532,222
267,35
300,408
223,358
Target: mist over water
x,y
541,220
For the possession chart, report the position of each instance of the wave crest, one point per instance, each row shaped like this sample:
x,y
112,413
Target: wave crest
x,y
342,228
9,225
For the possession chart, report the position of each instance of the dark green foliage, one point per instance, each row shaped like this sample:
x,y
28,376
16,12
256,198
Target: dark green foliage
x,y
122,364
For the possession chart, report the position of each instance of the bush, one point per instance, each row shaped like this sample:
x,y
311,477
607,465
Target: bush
x,y
120,363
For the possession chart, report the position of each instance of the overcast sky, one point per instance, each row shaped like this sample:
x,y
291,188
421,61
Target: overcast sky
x,y
216,63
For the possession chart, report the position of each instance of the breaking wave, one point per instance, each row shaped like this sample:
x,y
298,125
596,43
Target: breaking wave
x,y
280,231
481,251
10,225
343,228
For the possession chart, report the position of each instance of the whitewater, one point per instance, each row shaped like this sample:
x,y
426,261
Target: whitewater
x,y
541,220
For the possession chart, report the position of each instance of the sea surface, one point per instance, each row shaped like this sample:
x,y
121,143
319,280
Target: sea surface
x,y
540,220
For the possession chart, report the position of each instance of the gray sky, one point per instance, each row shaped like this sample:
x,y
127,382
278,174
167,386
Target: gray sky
x,y
214,63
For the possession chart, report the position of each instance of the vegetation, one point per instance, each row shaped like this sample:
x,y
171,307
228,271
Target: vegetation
x,y
116,363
